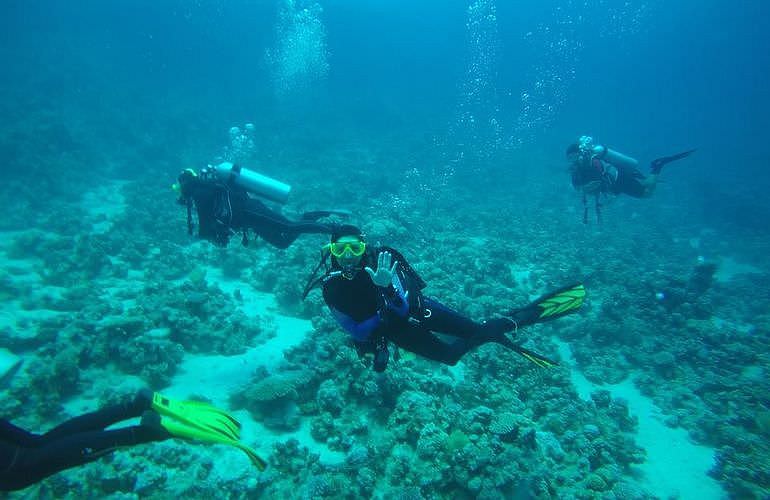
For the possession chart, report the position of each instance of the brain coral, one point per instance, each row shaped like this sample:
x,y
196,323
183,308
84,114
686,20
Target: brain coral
x,y
273,388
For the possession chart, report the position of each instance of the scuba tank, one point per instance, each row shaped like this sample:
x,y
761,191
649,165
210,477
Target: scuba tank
x,y
253,182
618,159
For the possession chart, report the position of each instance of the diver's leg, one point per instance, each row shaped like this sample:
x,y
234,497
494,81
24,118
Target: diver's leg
x,y
648,185
422,342
281,234
12,434
273,230
440,318
31,465
276,229
635,184
101,418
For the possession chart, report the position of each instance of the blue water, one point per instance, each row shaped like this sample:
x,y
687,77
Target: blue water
x,y
436,122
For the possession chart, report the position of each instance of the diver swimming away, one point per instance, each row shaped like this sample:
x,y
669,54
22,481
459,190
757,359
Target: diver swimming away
x,y
225,199
597,170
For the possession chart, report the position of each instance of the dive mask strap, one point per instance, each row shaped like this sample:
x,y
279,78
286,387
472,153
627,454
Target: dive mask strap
x,y
313,279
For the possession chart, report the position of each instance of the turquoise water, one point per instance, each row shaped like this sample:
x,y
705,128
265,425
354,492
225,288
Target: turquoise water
x,y
442,126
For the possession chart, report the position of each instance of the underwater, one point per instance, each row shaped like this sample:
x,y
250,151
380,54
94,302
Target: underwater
x,y
459,249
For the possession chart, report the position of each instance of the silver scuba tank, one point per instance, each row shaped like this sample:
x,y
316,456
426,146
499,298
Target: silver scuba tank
x,y
253,182
618,159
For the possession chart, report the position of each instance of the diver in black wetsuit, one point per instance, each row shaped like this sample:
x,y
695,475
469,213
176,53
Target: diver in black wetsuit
x,y
27,458
597,170
378,300
225,208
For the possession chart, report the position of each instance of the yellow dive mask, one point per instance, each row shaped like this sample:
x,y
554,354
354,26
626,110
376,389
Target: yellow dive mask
x,y
339,248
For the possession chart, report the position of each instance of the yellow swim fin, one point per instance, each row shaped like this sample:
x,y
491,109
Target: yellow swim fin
x,y
203,422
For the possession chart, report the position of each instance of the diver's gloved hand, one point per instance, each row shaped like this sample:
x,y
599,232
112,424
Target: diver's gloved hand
x,y
381,355
378,347
383,277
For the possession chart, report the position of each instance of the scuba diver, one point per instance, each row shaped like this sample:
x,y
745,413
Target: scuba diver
x,y
376,296
27,458
222,197
598,170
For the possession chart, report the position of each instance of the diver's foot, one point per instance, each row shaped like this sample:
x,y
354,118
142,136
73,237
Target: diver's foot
x,y
143,398
494,330
152,420
141,402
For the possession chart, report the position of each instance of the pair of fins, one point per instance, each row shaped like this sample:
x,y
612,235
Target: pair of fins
x,y
553,305
200,421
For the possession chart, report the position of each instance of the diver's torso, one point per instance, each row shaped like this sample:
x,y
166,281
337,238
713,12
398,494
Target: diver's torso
x,y
358,298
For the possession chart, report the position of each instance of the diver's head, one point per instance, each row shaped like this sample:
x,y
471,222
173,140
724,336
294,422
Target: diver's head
x,y
573,153
184,181
347,248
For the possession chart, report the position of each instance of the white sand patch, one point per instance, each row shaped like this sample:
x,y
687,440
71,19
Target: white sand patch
x,y
104,205
675,466
255,303
218,377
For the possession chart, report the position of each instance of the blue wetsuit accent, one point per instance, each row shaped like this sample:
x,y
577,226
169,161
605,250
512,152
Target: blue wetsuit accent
x,y
361,331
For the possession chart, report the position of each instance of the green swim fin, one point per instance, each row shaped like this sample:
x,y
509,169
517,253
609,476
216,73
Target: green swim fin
x,y
203,422
182,430
536,358
550,306
198,414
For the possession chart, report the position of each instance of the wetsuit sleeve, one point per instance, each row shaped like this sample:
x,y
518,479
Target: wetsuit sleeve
x,y
359,331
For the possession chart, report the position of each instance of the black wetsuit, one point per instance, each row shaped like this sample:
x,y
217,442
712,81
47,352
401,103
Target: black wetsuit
x,y
227,209
26,458
371,313
614,179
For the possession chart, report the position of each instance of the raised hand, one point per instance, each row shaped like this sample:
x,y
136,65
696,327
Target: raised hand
x,y
384,274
